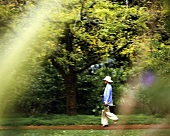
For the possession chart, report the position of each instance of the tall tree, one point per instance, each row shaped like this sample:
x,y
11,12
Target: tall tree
x,y
82,33
100,28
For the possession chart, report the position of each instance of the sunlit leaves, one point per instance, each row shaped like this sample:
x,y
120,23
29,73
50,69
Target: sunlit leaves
x,y
111,26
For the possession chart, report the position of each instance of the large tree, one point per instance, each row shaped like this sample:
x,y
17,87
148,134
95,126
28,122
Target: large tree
x,y
81,33
87,33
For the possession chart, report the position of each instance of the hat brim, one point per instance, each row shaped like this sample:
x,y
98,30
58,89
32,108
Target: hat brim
x,y
108,80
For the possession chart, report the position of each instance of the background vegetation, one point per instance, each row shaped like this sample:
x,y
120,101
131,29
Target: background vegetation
x,y
82,43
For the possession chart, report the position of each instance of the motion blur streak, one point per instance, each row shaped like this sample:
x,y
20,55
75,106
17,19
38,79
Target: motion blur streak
x,y
27,29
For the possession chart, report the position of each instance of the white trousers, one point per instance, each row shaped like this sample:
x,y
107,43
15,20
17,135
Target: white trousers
x,y
107,114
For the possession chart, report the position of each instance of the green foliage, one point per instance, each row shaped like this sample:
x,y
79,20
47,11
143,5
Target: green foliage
x,y
156,59
47,89
76,43
96,30
103,31
16,80
159,58
87,94
95,34
119,76
156,97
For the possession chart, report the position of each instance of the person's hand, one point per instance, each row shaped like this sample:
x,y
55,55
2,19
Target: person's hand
x,y
105,104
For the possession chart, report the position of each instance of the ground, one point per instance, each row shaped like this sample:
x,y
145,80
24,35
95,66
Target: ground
x,y
89,127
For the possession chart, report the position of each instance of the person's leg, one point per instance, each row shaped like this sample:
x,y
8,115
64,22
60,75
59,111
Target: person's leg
x,y
104,120
111,116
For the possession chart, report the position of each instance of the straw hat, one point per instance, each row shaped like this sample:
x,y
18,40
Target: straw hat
x,y
108,79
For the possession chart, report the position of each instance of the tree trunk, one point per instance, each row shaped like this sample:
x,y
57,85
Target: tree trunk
x,y
70,81
70,76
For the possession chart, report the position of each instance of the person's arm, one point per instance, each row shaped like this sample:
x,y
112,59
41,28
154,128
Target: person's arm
x,y
107,94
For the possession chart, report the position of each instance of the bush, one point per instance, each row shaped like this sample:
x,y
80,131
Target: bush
x,y
155,98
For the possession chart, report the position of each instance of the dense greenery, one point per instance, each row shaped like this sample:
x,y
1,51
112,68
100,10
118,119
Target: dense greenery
x,y
56,72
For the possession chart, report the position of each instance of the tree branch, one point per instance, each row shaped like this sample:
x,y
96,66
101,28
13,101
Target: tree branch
x,y
98,58
57,66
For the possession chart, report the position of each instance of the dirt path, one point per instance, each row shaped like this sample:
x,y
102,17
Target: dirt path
x,y
87,127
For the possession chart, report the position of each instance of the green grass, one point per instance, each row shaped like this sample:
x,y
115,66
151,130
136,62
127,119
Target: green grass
x,y
84,133
77,120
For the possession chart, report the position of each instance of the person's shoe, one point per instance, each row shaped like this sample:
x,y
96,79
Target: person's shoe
x,y
105,125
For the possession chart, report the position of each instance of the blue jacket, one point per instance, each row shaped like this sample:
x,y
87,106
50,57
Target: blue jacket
x,y
107,96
